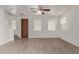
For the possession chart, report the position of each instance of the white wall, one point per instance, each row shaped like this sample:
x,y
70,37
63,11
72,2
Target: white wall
x,y
44,33
11,17
5,29
72,34
34,34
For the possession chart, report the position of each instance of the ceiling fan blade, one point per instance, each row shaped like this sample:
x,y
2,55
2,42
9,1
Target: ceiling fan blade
x,y
46,9
34,11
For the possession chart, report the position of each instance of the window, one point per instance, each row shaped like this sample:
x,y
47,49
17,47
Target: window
x,y
63,20
13,24
63,23
37,25
51,25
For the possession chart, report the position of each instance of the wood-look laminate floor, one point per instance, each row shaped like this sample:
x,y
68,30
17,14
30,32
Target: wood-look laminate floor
x,y
39,46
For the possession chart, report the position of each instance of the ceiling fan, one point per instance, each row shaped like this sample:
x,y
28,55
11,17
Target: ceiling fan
x,y
41,9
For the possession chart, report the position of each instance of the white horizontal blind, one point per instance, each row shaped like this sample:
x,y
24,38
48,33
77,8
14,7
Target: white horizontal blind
x,y
13,24
51,25
37,25
63,22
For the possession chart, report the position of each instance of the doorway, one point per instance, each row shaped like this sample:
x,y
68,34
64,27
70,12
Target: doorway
x,y
24,28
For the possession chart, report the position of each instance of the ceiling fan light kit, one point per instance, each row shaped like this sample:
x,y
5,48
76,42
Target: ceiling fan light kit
x,y
40,10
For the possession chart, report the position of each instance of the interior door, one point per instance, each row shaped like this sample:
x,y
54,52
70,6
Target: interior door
x,y
24,28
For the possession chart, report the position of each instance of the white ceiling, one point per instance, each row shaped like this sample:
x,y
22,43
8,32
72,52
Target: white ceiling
x,y
25,10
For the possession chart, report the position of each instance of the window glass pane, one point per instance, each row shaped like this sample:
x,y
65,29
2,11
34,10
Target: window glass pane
x,y
37,25
13,24
63,22
51,25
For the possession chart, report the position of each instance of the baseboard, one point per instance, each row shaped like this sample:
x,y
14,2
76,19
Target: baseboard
x,y
43,37
73,43
4,42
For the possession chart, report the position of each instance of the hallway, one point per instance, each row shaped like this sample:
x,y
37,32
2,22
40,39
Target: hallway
x,y
39,46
